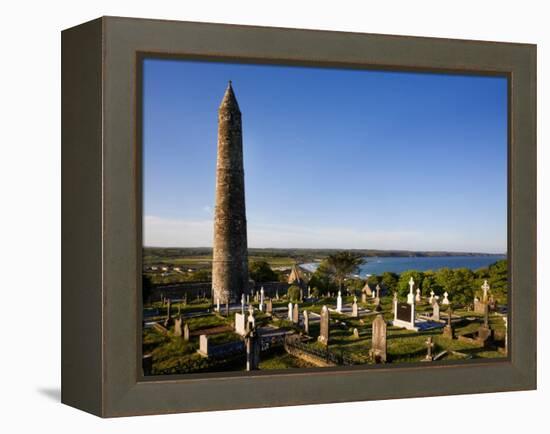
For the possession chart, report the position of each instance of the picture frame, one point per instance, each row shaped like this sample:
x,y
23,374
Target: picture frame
x,y
101,215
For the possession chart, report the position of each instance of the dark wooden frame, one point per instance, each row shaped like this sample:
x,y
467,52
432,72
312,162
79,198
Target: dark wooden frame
x,y
101,216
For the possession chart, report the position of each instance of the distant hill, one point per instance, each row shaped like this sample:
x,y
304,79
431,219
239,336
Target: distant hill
x,y
300,254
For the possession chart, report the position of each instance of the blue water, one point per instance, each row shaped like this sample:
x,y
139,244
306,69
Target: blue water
x,y
378,265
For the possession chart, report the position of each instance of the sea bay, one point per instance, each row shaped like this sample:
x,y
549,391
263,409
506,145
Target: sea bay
x,y
379,265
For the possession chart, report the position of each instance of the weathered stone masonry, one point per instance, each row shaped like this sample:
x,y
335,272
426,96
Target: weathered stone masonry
x,y
230,255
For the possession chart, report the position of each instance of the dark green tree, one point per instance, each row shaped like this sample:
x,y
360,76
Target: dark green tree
x,y
293,293
260,271
403,283
389,281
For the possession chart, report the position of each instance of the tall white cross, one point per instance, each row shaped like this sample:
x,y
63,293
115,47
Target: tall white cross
x,y
485,288
411,285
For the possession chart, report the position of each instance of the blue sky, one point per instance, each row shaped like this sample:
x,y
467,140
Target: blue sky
x,y
333,158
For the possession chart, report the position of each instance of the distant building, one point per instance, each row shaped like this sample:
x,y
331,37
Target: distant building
x,y
295,277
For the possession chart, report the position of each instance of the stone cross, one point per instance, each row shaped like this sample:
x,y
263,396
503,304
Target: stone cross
x,y
418,299
410,296
306,321
356,333
377,291
379,345
339,302
324,335
308,292
485,287
445,298
290,311
432,293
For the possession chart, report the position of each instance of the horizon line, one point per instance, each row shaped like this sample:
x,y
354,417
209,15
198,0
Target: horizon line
x,y
337,248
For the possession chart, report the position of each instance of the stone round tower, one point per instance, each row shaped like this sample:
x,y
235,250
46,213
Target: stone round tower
x,y
230,255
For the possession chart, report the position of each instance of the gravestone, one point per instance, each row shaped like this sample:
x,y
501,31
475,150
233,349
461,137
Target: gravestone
x,y
448,330
269,307
324,335
277,294
485,332
186,332
429,346
168,320
378,291
301,294
339,302
240,324
262,299
356,333
377,305
251,323
252,345
295,314
435,314
306,321
203,345
378,350
242,303
404,314
178,331
354,308
308,292
363,298
445,298
418,298
290,311
432,293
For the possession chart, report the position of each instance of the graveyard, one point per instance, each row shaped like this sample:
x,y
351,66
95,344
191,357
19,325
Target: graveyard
x,y
275,332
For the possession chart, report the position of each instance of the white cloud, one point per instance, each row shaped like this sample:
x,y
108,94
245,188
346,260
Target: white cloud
x,y
164,232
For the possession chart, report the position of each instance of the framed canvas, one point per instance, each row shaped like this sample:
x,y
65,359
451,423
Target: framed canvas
x,y
386,247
